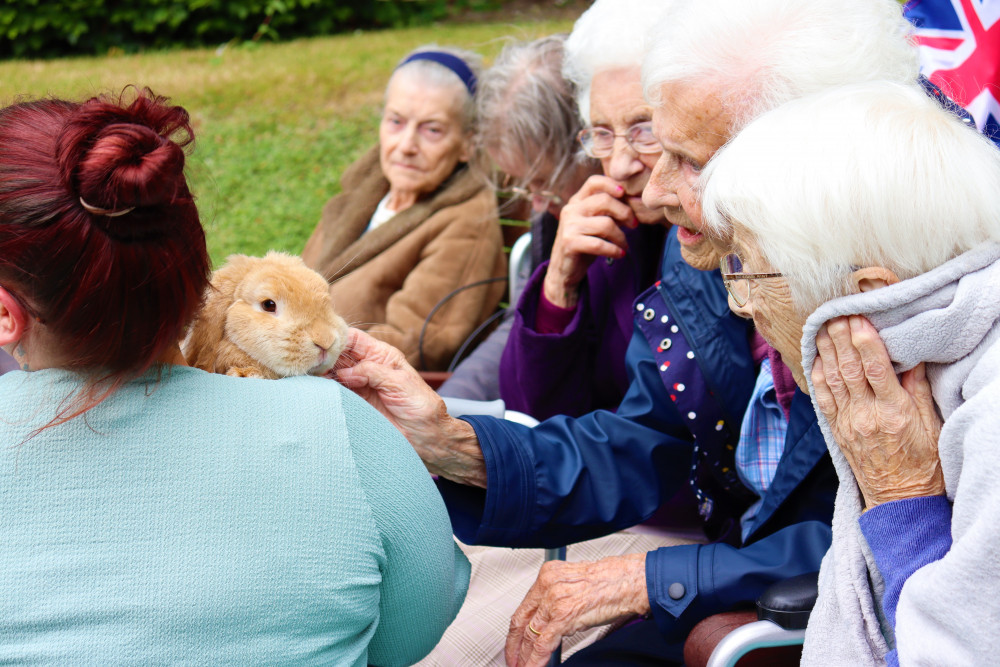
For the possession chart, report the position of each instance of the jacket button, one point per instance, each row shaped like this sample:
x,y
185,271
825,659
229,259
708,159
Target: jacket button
x,y
648,315
676,590
666,343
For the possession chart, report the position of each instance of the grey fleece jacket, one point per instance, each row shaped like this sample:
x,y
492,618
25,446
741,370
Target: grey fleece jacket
x,y
949,610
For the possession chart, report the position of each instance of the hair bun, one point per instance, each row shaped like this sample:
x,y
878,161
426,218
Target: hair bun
x,y
122,157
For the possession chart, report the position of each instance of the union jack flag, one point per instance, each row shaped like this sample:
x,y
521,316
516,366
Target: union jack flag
x,y
960,53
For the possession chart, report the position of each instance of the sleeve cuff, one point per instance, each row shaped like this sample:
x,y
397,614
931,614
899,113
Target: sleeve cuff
x,y
550,318
507,510
672,582
909,533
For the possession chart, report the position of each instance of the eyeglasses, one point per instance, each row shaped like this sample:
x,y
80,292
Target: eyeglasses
x,y
738,283
518,191
598,142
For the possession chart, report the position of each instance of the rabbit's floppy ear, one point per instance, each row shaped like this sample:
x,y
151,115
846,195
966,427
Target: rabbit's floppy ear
x,y
209,326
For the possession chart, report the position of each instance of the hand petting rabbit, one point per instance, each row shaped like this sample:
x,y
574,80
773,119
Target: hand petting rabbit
x,y
266,317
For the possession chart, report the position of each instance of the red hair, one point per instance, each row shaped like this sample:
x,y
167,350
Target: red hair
x,y
115,290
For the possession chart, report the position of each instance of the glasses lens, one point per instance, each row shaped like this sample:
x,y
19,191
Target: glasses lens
x,y
739,288
597,142
641,138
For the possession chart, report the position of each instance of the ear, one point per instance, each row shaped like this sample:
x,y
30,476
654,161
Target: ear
x,y
872,277
466,153
13,319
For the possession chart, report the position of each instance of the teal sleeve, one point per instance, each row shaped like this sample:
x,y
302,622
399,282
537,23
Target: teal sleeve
x,y
425,576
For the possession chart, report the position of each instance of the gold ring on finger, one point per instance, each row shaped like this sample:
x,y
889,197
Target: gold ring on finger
x,y
532,630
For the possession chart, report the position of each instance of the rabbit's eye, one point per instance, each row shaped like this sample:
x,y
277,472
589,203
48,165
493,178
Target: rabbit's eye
x,y
269,306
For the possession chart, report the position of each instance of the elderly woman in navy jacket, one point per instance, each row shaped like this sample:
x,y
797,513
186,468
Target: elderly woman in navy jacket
x,y
572,479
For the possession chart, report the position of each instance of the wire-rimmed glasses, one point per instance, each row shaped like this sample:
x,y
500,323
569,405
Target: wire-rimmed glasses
x,y
737,282
598,142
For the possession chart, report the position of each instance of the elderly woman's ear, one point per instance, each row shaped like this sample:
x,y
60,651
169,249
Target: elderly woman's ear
x,y
468,147
871,278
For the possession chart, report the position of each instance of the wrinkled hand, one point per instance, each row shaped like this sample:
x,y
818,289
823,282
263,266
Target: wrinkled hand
x,y
380,374
887,428
569,597
589,226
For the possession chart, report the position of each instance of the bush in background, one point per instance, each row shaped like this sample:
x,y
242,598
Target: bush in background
x,y
42,28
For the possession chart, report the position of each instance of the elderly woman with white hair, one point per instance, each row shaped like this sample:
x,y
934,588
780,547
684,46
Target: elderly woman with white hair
x,y
876,211
566,351
414,232
760,469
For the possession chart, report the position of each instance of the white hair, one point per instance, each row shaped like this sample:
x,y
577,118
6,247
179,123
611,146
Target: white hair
x,y
435,75
609,35
872,174
758,54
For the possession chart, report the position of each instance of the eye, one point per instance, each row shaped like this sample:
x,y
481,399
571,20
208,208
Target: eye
x,y
269,306
432,131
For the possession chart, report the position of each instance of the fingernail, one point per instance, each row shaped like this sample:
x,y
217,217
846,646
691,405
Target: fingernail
x,y
855,323
620,189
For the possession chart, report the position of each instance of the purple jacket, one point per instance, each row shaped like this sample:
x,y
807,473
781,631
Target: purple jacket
x,y
583,368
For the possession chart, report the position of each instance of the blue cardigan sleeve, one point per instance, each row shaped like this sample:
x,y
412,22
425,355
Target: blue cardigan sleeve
x,y
904,535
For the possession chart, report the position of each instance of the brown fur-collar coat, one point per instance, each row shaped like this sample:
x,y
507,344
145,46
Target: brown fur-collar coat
x,y
388,280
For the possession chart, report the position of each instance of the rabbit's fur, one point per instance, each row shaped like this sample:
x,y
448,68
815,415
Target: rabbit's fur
x,y
266,317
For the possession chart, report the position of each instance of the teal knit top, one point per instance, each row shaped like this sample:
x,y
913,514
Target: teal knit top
x,y
202,519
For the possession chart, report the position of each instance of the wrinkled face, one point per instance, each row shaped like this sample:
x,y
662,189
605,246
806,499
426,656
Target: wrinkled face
x,y
691,125
616,104
421,136
537,177
287,323
770,305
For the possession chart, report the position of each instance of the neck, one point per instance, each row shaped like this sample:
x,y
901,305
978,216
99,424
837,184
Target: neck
x,y
172,355
401,200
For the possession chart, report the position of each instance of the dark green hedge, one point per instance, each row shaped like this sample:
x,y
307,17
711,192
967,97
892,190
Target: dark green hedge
x,y
41,28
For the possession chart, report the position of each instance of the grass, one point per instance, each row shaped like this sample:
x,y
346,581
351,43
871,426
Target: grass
x,y
276,124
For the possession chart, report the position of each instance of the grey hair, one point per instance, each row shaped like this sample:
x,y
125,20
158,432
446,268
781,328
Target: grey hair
x,y
758,54
527,110
433,74
872,174
610,34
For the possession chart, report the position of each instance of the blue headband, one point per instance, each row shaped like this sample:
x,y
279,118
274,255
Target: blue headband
x,y
454,63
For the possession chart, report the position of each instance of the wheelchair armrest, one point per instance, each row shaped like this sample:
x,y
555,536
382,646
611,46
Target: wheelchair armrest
x,y
788,603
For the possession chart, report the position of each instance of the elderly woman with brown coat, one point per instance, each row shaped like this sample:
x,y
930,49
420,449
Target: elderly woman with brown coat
x,y
413,223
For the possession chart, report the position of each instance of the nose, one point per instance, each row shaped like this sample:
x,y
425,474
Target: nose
x,y
623,163
408,140
660,191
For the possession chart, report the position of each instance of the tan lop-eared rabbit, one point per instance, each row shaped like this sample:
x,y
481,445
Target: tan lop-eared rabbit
x,y
267,317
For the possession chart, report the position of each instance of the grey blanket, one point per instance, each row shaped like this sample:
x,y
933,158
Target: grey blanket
x,y
949,611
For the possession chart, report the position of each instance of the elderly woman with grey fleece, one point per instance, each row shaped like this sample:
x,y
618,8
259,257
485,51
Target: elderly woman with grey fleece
x,y
876,210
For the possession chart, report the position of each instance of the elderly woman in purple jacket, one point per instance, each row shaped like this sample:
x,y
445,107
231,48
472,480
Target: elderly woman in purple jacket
x,y
566,351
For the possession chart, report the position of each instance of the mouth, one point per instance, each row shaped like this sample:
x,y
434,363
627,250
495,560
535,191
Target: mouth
x,y
689,237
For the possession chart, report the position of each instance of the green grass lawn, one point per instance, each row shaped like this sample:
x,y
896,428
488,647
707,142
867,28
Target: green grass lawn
x,y
275,124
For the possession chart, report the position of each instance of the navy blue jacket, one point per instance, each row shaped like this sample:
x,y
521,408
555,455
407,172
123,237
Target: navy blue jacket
x,y
568,480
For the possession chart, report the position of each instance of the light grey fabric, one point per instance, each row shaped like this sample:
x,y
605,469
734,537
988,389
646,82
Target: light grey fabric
x,y
948,611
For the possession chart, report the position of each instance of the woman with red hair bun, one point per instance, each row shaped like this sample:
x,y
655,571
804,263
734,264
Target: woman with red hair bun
x,y
153,512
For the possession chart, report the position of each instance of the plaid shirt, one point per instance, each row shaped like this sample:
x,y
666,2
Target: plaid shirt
x,y
762,441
